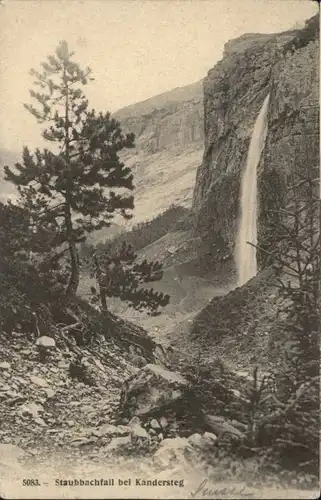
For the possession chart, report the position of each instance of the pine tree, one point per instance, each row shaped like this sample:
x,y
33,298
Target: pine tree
x,y
75,184
293,423
120,276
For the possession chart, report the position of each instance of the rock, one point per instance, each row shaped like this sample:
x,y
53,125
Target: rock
x,y
38,381
49,393
172,451
5,365
139,433
99,365
63,364
118,443
31,409
151,388
163,422
81,441
160,436
197,440
114,430
134,421
21,380
137,360
210,437
154,424
25,352
40,422
152,432
46,342
221,425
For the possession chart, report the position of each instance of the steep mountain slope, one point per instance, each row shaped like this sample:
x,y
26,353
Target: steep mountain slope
x,y
169,148
286,66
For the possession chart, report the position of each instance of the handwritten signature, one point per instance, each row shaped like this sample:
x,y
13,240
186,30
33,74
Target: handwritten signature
x,y
205,489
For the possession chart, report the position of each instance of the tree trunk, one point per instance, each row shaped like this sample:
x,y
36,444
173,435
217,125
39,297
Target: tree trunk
x,y
102,291
74,277
74,258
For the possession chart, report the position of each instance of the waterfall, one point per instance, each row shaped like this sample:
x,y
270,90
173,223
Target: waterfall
x,y
247,231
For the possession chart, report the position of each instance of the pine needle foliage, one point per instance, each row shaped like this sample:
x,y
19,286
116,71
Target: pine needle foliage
x,y
80,184
121,276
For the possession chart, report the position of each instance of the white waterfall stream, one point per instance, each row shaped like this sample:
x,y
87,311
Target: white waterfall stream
x,y
247,232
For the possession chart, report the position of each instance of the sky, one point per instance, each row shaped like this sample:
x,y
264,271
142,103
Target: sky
x,y
135,48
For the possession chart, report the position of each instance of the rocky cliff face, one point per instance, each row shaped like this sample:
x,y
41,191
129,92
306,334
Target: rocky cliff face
x,y
169,147
286,66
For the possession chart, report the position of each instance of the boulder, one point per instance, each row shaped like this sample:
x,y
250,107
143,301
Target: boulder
x,y
5,365
163,422
38,381
118,443
49,393
197,440
209,437
152,388
138,433
46,342
134,421
221,425
154,424
31,409
172,452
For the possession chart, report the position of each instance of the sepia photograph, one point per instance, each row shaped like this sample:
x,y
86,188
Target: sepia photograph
x,y
160,249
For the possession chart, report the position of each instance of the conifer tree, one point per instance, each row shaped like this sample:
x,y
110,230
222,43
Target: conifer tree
x,y
121,276
75,186
293,425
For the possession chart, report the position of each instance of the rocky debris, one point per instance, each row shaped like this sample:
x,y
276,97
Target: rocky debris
x,y
152,388
42,406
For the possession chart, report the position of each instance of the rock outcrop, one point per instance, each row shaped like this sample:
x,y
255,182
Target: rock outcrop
x,y
152,388
286,66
